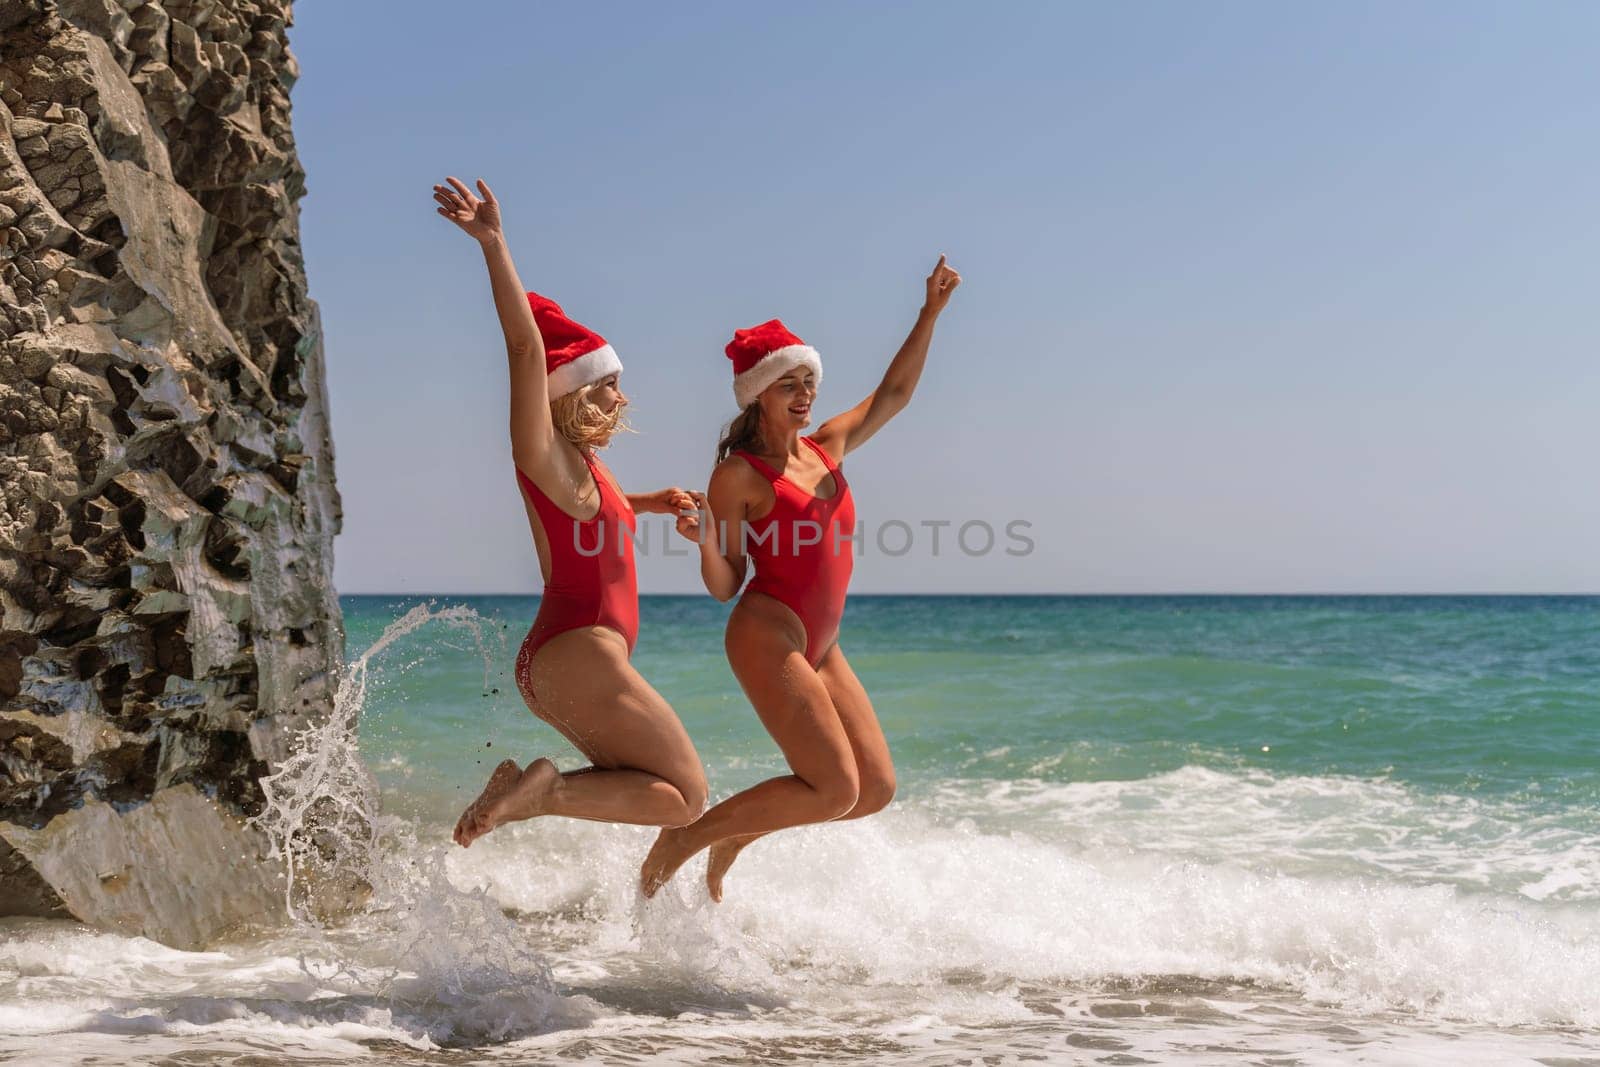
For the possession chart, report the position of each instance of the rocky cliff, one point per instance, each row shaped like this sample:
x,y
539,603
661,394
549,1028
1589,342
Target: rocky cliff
x,y
167,613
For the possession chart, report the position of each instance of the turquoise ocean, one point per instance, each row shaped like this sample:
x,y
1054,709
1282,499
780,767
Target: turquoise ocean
x,y
1285,830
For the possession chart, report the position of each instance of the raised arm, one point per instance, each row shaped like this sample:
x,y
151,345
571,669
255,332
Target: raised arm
x,y
532,432
851,429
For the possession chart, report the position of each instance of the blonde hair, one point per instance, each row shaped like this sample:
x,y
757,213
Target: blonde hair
x,y
743,434
581,421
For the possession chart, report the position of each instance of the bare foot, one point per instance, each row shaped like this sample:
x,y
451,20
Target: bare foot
x,y
720,858
672,847
510,795
501,779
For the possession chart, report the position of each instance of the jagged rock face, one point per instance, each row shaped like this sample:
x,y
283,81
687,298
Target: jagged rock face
x,y
167,613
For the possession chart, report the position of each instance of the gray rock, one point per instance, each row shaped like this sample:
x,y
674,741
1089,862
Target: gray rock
x,y
96,860
167,502
15,13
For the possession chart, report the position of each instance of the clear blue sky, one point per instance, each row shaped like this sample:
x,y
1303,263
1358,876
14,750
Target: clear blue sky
x,y
1259,297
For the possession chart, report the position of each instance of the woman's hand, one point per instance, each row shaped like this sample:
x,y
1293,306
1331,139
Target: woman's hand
x,y
941,283
690,516
478,216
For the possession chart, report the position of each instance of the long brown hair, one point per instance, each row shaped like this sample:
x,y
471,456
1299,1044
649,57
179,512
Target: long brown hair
x,y
743,434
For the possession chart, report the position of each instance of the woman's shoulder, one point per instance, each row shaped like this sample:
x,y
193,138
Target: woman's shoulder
x,y
736,474
735,466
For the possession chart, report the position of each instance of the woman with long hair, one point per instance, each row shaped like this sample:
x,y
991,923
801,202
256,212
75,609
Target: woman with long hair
x,y
573,669
781,500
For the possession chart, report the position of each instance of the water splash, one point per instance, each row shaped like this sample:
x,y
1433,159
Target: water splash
x,y
375,901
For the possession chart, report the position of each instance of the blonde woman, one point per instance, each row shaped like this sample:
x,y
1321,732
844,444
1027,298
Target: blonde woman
x,y
781,500
573,669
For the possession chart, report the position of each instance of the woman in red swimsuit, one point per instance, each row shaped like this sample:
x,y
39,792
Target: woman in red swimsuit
x,y
573,668
781,500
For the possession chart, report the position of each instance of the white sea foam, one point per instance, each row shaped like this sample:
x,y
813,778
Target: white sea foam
x,y
909,937
1310,825
910,900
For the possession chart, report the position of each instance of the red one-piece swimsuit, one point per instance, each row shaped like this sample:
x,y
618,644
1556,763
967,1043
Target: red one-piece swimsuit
x,y
804,551
592,579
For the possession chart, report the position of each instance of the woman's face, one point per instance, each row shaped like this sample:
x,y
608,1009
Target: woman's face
x,y
607,394
786,403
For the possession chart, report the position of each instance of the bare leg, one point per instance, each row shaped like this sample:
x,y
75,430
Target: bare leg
x,y
646,770
874,768
795,708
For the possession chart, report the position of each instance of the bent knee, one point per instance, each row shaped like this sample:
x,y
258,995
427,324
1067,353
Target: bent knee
x,y
695,794
874,796
837,794
692,794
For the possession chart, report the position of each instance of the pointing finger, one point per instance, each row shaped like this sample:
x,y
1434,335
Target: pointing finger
x,y
460,188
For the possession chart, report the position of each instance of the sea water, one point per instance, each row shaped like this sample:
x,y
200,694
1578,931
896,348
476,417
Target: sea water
x,y
1151,829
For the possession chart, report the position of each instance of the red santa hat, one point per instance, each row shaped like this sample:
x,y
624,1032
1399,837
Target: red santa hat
x,y
574,355
763,354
